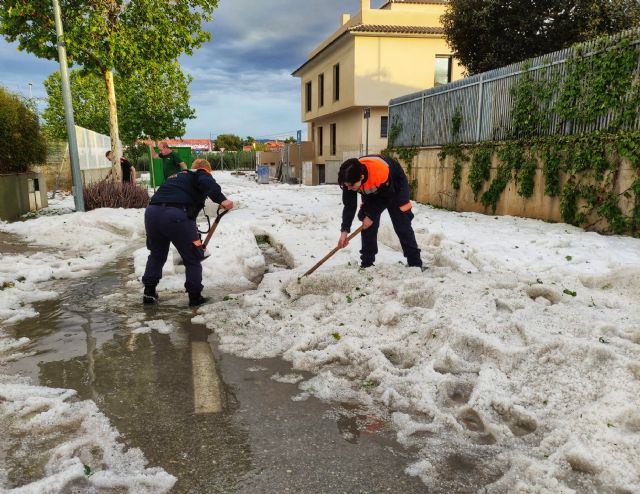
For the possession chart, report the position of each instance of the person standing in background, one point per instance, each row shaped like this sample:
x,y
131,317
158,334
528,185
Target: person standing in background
x,y
171,162
128,171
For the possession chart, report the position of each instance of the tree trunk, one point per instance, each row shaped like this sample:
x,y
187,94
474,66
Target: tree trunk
x,y
113,125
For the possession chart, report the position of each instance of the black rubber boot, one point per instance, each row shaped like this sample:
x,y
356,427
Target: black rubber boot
x,y
196,299
150,295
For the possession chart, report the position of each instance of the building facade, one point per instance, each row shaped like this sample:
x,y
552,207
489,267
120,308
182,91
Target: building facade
x,y
374,56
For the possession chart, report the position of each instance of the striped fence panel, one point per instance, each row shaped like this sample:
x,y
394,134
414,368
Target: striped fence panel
x,y
485,102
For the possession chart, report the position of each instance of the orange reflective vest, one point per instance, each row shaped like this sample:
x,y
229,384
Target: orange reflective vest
x,y
377,174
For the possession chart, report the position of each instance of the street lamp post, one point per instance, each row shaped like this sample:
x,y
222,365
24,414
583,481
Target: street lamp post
x,y
299,141
68,111
367,114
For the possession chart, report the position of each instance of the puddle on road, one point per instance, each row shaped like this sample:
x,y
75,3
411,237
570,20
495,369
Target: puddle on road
x,y
10,245
262,441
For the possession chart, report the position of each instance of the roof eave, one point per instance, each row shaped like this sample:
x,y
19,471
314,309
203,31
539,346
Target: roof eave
x,y
355,32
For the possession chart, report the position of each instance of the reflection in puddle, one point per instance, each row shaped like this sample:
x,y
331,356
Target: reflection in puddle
x,y
207,397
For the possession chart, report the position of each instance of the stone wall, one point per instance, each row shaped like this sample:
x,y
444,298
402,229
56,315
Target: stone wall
x,y
434,187
18,195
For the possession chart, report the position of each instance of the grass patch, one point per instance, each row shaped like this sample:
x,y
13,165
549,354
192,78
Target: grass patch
x,y
262,239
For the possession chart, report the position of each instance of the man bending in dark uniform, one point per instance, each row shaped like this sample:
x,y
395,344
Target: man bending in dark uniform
x,y
382,183
171,218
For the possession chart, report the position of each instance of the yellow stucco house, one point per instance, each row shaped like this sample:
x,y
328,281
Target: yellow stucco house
x,y
374,56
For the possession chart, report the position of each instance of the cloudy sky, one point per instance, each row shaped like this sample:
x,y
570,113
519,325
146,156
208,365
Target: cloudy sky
x,y
242,77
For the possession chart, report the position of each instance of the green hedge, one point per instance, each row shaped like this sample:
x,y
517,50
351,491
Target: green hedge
x,y
21,141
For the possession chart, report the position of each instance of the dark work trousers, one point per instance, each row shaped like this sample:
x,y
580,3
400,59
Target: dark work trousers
x,y
402,225
168,224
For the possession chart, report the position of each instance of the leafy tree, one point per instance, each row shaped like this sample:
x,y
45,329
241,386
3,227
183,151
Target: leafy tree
x,y
21,142
230,142
486,34
138,154
256,145
156,103
290,140
89,98
152,104
103,35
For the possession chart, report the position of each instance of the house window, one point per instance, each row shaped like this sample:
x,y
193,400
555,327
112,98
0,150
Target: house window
x,y
336,82
384,126
308,93
443,70
321,90
332,140
320,141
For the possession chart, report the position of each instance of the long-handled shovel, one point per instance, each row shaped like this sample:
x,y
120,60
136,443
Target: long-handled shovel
x,y
336,249
219,214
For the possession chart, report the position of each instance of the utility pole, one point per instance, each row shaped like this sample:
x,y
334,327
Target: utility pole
x,y
68,111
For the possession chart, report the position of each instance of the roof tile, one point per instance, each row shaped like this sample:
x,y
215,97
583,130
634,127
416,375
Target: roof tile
x,y
379,28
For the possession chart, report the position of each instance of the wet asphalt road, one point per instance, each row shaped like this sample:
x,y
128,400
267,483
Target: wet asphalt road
x,y
261,442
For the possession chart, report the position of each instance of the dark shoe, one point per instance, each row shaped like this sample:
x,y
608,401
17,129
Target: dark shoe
x,y
365,265
196,299
415,263
149,299
150,295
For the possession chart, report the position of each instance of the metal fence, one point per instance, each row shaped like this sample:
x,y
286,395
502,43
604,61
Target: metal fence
x,y
484,101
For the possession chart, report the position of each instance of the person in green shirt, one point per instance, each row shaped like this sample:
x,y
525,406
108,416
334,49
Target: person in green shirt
x,y
171,163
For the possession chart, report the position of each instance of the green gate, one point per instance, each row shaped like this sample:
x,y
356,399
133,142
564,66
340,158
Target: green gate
x,y
157,175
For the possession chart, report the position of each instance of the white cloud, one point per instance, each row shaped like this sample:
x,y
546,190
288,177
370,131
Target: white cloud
x,y
242,78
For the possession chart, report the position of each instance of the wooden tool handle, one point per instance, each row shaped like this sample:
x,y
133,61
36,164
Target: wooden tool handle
x,y
220,213
336,249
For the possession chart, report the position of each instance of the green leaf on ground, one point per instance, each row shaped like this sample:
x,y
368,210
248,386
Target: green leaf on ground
x,y
369,383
